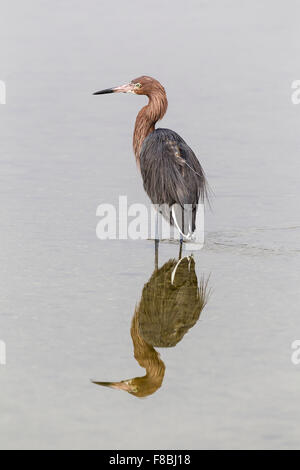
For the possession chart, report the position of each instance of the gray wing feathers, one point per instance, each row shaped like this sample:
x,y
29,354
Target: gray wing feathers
x,y
171,171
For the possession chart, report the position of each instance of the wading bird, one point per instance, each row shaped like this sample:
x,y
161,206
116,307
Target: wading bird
x,y
172,175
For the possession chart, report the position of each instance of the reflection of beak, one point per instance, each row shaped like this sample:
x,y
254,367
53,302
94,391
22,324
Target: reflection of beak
x,y
124,385
128,88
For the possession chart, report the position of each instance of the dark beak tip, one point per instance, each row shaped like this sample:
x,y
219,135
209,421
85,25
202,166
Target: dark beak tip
x,y
104,92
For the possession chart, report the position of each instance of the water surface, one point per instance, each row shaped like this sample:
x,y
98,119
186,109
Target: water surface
x,y
67,299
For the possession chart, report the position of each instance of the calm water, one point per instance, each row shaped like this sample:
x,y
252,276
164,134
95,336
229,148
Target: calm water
x,y
67,299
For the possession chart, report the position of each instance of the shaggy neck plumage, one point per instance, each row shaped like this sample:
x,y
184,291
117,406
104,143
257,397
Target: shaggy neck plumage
x,y
147,118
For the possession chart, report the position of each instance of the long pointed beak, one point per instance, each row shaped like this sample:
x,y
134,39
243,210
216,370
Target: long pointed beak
x,y
127,88
117,385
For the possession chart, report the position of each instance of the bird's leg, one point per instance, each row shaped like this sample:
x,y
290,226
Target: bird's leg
x,y
181,234
156,254
157,226
199,230
156,238
172,237
180,247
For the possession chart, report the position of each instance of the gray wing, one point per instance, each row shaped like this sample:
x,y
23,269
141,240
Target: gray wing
x,y
173,176
170,170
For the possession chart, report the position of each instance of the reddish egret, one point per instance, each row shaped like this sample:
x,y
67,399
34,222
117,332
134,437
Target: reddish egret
x,y
172,175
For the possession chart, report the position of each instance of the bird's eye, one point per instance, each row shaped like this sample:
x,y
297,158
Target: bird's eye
x,y
138,85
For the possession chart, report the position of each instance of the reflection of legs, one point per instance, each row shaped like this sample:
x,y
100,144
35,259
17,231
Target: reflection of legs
x,y
175,269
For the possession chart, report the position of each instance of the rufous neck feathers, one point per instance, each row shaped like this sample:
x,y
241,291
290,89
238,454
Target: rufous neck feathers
x,y
147,118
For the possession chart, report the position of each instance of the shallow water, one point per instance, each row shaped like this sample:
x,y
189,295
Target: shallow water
x,y
67,299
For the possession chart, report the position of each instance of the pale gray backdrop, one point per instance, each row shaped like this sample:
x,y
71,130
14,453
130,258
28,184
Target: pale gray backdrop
x,y
66,298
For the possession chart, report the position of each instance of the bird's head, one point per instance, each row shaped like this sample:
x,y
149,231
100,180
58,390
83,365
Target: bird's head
x,y
143,85
139,386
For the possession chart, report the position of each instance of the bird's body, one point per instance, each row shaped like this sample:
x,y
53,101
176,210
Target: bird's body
x,y
171,172
172,175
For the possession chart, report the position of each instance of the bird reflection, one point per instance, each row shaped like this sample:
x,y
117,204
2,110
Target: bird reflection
x,y
171,304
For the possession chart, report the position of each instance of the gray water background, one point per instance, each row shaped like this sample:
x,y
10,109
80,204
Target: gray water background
x,y
67,299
